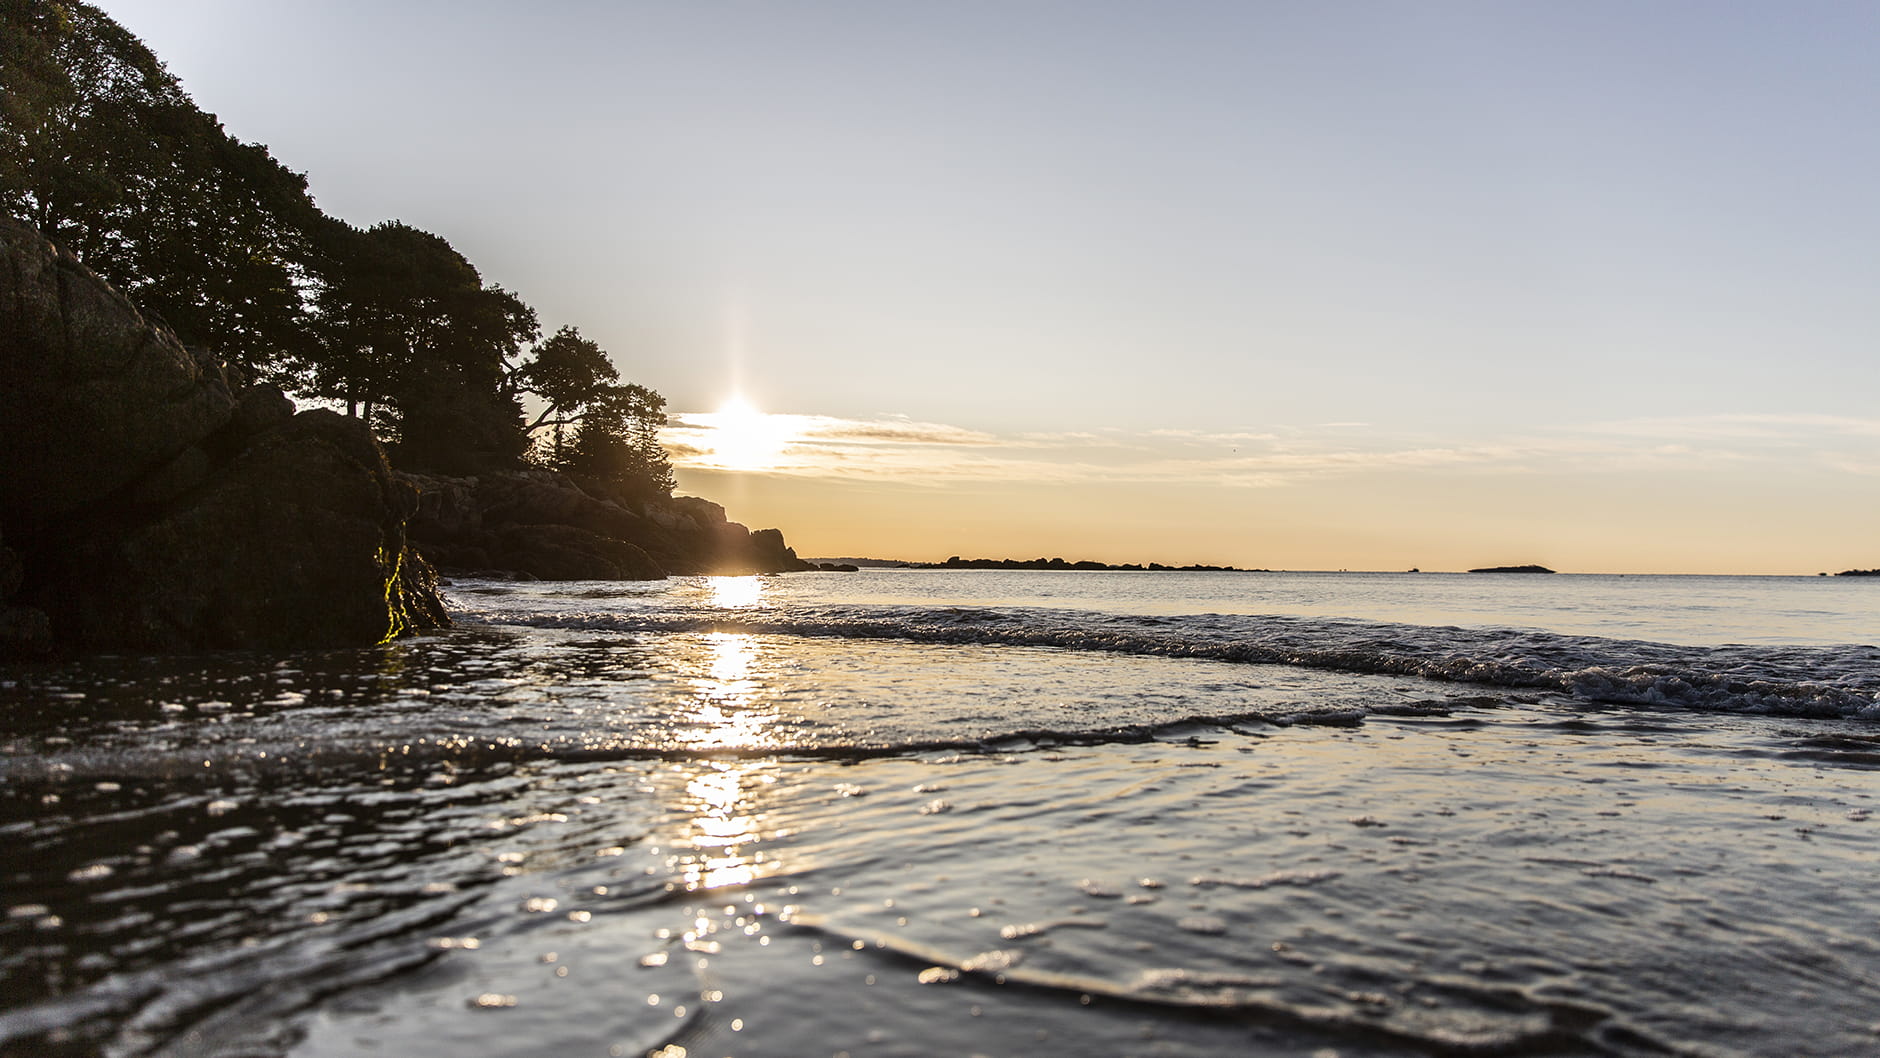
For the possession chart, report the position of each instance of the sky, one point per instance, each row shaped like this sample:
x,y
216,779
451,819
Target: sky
x,y
1327,285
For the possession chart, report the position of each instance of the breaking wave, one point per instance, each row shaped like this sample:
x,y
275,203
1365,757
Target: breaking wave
x,y
1841,681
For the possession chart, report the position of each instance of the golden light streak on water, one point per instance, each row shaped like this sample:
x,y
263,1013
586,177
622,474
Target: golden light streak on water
x,y
737,593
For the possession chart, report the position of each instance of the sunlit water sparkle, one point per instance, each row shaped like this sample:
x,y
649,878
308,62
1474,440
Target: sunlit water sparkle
x,y
911,813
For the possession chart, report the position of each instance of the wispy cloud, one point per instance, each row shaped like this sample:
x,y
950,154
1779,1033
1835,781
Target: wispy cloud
x,y
910,452
1749,426
823,428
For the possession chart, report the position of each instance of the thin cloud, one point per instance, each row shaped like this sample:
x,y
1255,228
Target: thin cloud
x,y
857,431
906,452
1749,426
914,433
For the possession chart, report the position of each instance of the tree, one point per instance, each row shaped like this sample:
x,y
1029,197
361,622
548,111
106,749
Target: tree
x,y
34,86
411,340
104,153
599,427
573,378
617,441
569,373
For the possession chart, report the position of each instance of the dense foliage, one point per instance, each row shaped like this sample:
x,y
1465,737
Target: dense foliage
x,y
103,151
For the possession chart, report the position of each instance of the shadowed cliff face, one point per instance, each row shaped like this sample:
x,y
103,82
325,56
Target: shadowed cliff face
x,y
554,526
148,501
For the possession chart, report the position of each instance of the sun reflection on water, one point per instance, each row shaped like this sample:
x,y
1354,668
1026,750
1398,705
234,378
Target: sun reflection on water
x,y
727,710
737,593
730,708
724,822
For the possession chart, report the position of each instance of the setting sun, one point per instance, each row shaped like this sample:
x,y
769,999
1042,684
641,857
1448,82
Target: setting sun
x,y
743,438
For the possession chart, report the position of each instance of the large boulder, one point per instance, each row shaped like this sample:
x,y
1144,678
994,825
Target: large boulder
x,y
298,540
567,552
92,395
544,497
151,507
447,507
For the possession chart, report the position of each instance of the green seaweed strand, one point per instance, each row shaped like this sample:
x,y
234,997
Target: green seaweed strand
x,y
395,623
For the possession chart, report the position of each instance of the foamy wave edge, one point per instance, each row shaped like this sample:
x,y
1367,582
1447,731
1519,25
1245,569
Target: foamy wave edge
x,y
1732,680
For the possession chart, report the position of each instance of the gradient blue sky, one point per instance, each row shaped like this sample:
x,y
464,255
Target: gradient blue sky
x,y
1300,285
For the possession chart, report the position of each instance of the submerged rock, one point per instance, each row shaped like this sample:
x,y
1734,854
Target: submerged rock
x,y
152,507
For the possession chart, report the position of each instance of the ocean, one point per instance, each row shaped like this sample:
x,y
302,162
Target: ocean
x,y
922,812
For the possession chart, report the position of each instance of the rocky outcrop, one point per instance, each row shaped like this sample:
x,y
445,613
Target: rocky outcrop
x,y
151,501
551,526
24,630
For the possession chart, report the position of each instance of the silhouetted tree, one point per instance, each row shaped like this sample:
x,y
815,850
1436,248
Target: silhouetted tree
x,y
570,375
105,154
414,342
617,441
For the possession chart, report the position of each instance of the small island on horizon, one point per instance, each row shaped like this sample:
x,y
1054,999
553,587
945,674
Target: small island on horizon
x,y
956,562
1512,569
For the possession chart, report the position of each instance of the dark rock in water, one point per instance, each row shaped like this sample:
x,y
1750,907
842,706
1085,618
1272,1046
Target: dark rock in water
x,y
447,507
1859,573
568,552
1512,569
298,540
24,630
544,497
153,508
11,572
552,526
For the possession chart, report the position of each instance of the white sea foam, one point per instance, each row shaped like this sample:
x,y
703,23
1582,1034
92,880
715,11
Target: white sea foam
x,y
1788,680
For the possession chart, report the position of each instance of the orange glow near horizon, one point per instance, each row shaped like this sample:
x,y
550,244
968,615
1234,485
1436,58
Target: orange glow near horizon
x,y
1431,521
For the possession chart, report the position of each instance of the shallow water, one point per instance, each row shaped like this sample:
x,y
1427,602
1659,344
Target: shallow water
x,y
924,813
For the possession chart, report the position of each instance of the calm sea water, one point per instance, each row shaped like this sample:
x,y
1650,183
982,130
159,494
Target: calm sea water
x,y
970,812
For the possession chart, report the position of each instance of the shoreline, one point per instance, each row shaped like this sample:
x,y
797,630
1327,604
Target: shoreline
x,y
1018,565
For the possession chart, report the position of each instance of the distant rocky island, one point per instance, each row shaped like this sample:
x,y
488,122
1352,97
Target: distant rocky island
x,y
1512,569
1859,573
956,562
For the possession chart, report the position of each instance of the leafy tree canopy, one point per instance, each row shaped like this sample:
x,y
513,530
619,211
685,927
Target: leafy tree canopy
x,y
395,304
569,373
105,154
618,441
103,151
